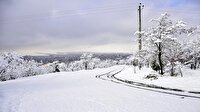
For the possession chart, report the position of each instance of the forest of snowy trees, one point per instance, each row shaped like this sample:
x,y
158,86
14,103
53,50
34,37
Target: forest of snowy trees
x,y
167,46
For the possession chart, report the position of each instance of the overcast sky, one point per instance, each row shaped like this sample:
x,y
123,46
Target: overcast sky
x,y
50,26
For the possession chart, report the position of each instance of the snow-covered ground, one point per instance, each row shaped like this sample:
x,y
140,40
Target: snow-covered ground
x,y
81,92
189,82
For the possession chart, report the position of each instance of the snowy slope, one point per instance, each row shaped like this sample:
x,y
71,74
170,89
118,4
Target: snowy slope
x,y
81,92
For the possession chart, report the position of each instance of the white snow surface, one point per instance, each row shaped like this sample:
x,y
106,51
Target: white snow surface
x,y
189,82
81,92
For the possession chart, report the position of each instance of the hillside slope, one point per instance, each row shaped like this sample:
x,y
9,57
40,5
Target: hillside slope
x,y
81,92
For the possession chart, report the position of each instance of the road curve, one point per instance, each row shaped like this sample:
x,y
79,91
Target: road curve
x,y
111,76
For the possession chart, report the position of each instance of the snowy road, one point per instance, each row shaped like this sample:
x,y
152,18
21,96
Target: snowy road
x,y
81,92
111,76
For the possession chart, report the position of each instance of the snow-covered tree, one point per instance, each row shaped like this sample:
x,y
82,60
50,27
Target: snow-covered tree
x,y
76,65
13,66
173,54
95,63
86,58
63,66
32,68
192,52
133,61
159,38
10,63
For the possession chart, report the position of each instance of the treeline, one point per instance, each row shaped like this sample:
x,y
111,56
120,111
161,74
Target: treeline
x,y
13,66
70,57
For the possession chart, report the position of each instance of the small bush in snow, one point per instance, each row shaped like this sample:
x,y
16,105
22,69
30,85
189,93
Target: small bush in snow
x,y
154,65
151,76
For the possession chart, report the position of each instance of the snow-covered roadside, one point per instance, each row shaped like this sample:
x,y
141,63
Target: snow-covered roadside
x,y
189,82
81,92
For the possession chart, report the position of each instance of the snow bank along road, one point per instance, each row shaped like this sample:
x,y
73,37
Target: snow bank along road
x,y
112,76
81,92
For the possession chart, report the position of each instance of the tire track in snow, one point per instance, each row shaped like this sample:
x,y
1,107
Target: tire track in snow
x,y
110,76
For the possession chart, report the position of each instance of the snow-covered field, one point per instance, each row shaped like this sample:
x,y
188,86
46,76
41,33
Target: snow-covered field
x,y
81,92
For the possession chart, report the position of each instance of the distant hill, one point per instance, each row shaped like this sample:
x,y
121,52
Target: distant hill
x,y
69,57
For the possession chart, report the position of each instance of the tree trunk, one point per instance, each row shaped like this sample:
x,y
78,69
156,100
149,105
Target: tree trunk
x,y
160,59
172,69
180,72
135,69
191,66
140,66
2,71
86,65
195,64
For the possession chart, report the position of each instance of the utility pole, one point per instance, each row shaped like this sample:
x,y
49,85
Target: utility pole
x,y
140,7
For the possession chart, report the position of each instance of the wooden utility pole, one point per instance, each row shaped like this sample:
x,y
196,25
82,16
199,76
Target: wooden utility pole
x,y
140,25
140,7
